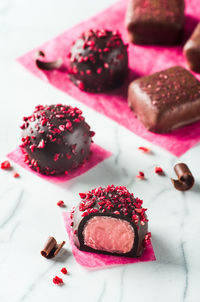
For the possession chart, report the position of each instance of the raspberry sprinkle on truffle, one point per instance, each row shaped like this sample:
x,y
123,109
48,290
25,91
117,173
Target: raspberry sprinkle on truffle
x,y
55,139
98,60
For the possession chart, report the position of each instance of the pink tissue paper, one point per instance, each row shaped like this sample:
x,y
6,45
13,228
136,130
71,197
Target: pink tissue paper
x,y
92,260
143,60
98,155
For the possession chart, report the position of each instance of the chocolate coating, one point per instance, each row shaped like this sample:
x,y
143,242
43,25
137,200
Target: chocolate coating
x,y
114,202
155,22
98,61
55,139
192,50
166,100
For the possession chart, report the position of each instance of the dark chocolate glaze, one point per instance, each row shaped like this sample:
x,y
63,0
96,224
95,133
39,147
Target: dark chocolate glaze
x,y
155,22
192,50
55,139
98,61
166,100
114,202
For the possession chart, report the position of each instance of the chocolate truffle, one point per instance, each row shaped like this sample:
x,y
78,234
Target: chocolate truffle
x,y
155,22
110,221
98,61
166,100
192,50
55,139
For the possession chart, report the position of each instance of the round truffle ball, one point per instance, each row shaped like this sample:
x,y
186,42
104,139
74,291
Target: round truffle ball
x,y
98,61
55,139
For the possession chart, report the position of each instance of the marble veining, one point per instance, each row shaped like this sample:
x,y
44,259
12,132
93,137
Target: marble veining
x,y
100,299
186,270
122,284
182,246
12,211
34,284
5,5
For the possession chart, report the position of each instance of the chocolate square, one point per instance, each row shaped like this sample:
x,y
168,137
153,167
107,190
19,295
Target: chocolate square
x,y
155,22
192,50
166,100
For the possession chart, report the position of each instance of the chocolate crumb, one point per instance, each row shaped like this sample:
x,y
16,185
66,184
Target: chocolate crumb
x,y
185,179
51,248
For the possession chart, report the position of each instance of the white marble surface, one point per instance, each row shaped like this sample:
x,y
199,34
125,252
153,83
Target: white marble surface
x,y
28,211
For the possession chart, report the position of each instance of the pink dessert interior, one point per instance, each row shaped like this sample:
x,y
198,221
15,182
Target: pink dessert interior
x,y
109,234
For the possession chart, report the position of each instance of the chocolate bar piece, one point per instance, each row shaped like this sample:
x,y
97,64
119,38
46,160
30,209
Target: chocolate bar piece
x,y
110,221
166,100
192,50
155,22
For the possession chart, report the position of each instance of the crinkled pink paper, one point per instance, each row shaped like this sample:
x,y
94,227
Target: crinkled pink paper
x,y
98,155
92,260
142,61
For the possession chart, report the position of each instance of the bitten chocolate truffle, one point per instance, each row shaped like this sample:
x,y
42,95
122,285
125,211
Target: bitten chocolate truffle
x,y
110,221
98,61
155,22
166,100
192,50
55,139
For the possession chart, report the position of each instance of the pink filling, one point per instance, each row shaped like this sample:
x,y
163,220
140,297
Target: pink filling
x,y
109,234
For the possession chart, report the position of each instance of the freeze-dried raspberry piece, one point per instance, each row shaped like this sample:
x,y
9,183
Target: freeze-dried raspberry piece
x,y
57,280
5,165
64,271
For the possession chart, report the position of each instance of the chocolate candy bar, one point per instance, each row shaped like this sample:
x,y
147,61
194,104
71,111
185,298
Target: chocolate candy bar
x,y
155,22
166,100
55,139
192,50
110,221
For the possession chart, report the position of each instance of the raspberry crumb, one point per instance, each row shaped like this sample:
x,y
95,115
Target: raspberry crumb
x,y
5,165
92,133
64,271
60,203
158,170
16,175
147,239
82,195
144,149
81,85
57,280
140,175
